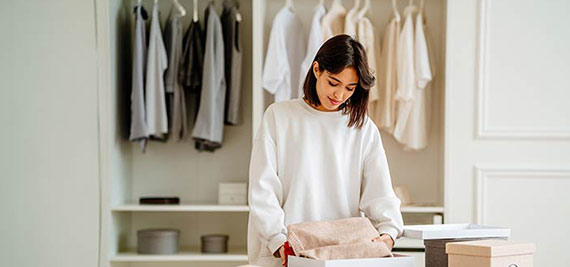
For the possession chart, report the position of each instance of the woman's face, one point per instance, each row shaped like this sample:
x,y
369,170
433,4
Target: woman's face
x,y
334,89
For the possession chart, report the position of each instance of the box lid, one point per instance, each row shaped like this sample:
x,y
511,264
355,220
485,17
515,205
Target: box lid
x,y
158,232
454,231
490,248
214,237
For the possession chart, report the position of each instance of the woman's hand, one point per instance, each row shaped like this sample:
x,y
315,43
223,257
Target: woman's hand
x,y
283,256
386,238
281,253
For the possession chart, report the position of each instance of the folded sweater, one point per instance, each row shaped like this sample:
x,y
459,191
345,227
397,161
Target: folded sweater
x,y
349,238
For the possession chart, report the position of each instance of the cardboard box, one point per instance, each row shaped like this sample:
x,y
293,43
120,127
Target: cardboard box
x,y
435,250
396,261
490,253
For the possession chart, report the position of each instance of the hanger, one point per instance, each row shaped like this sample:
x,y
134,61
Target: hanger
x,y
421,10
395,10
238,16
411,7
289,4
356,5
155,2
195,11
179,7
139,8
364,9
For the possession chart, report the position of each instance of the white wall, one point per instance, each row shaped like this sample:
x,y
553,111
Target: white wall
x,y
508,121
48,142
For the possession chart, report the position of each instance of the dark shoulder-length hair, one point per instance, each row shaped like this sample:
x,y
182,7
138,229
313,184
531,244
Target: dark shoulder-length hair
x,y
336,54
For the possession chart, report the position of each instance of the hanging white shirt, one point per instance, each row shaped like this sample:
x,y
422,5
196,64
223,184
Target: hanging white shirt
x,y
415,136
406,74
385,116
423,63
285,53
308,165
157,62
368,38
351,23
333,21
315,42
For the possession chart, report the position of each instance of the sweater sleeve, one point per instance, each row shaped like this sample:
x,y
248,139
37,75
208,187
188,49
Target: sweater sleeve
x,y
378,200
265,189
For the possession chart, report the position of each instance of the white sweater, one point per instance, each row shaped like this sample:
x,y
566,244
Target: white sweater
x,y
307,165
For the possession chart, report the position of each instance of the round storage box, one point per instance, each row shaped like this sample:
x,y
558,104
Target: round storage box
x,y
157,241
215,243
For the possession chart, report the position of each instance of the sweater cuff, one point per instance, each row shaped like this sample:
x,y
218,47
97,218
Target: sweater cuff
x,y
392,232
276,242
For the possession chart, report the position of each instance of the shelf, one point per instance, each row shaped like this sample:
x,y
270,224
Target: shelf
x,y
213,207
183,207
192,254
421,209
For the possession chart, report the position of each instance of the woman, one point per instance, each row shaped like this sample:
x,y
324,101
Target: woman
x,y
320,158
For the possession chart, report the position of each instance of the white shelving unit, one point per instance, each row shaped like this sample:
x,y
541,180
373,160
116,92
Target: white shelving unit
x,y
166,168
177,169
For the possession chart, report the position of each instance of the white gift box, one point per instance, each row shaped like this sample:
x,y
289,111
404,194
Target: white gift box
x,y
397,261
232,193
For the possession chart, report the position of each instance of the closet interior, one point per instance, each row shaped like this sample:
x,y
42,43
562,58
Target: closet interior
x,y
176,168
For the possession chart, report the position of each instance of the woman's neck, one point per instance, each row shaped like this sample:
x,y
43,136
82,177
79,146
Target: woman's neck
x,y
320,107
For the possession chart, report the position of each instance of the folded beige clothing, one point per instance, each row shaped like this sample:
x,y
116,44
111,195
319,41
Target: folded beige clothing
x,y
349,238
348,251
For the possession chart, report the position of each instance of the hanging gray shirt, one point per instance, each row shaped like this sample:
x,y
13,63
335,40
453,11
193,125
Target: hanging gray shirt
x,y
157,62
138,132
209,127
233,58
173,85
